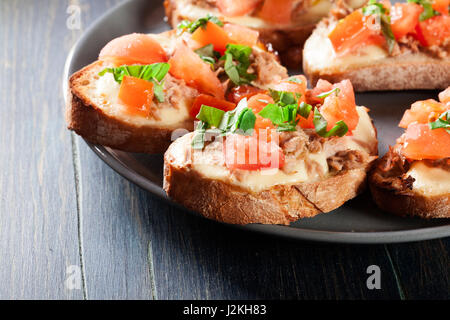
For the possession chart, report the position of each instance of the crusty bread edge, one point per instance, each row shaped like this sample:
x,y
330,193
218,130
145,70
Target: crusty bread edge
x,y
287,42
280,204
433,74
413,205
99,128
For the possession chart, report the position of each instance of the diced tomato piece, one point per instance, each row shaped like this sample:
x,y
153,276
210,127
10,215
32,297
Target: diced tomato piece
x,y
341,106
137,95
306,123
441,6
187,65
444,96
236,94
420,142
133,48
435,30
277,11
404,18
422,112
211,102
257,103
352,31
287,85
212,34
234,8
251,153
241,35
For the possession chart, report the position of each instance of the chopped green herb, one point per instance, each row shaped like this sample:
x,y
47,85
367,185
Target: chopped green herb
x,y
237,62
340,129
304,109
442,122
208,54
294,79
152,72
284,97
323,95
210,115
241,120
189,26
428,11
283,116
377,9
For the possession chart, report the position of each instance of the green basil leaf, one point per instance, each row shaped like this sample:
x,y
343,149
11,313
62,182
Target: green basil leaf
x,y
153,72
428,11
375,8
284,97
231,69
247,122
304,109
442,122
294,79
211,116
340,129
237,62
186,25
198,140
323,95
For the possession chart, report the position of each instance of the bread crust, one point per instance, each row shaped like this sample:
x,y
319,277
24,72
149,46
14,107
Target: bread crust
x,y
95,126
415,205
279,204
432,74
400,200
287,42
407,71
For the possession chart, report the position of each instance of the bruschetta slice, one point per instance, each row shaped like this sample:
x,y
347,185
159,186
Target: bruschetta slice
x,y
281,155
413,178
383,47
143,87
284,24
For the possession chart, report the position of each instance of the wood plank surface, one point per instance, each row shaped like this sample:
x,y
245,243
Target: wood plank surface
x,y
198,259
38,224
423,268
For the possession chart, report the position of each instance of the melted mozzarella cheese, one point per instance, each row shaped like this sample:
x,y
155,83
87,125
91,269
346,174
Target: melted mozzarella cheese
x,y
106,97
319,54
429,181
363,139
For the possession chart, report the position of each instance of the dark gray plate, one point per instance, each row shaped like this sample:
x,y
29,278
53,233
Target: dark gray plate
x,y
358,221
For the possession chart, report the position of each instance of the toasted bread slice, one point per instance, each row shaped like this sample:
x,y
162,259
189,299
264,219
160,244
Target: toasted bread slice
x,y
94,113
286,39
372,69
410,190
202,183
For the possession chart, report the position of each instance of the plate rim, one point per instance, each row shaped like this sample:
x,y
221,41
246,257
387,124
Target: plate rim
x,y
375,237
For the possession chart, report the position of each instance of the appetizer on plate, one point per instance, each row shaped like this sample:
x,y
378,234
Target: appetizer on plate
x,y
279,156
285,24
413,178
384,47
143,87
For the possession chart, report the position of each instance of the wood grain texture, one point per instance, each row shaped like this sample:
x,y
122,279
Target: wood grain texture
x,y
114,216
38,221
423,268
199,259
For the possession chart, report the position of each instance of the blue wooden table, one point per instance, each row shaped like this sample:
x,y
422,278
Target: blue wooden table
x,y
71,228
